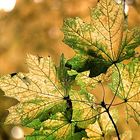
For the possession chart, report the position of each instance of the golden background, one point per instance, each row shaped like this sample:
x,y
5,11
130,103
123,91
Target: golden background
x,y
34,27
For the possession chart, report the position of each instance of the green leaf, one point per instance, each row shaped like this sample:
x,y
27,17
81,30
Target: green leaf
x,y
79,135
36,124
102,42
84,112
85,62
65,77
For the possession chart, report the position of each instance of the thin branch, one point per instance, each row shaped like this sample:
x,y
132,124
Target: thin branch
x,y
111,118
115,126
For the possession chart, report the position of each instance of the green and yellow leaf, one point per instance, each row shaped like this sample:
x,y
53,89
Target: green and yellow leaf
x,y
47,104
128,79
102,42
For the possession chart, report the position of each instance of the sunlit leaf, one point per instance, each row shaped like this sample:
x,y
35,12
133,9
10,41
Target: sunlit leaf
x,y
56,103
47,104
127,135
102,42
102,127
32,89
129,87
87,83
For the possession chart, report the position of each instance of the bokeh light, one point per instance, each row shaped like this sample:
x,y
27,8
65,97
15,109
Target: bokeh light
x,y
38,1
17,133
7,5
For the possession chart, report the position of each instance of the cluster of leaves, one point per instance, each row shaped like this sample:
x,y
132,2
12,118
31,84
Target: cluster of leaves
x,y
57,101
52,109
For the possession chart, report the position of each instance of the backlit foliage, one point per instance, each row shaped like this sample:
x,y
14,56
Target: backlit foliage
x,y
129,88
102,42
57,101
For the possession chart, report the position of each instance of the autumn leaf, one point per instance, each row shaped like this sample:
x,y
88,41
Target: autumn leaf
x,y
56,101
84,81
5,103
128,79
23,85
102,42
102,127
47,103
127,135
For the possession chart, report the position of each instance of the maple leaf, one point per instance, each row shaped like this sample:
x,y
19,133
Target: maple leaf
x,y
102,127
127,135
47,103
128,79
84,81
23,85
102,42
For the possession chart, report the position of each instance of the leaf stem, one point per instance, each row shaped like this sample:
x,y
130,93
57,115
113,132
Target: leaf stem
x,y
110,117
69,108
115,126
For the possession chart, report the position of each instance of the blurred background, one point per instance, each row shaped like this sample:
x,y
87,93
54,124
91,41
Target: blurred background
x,y
33,26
